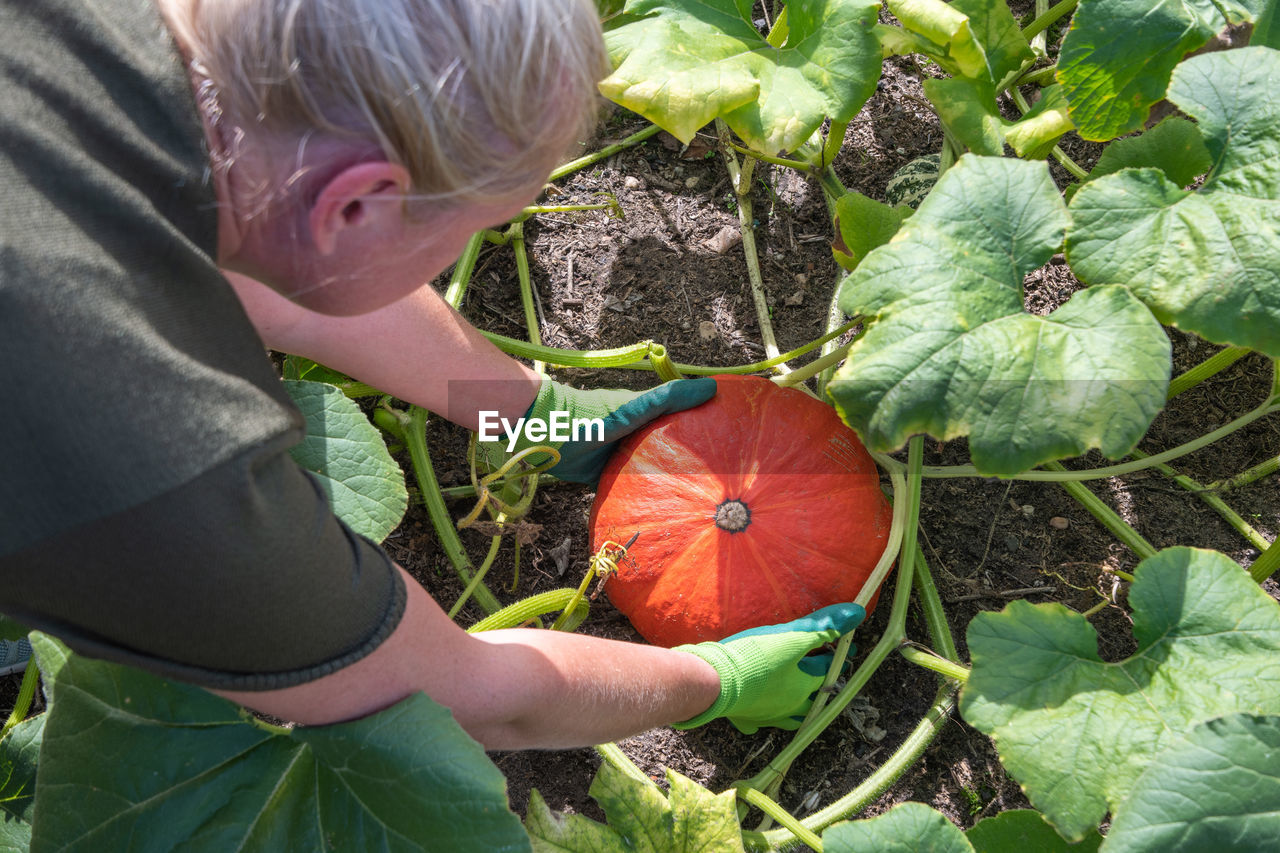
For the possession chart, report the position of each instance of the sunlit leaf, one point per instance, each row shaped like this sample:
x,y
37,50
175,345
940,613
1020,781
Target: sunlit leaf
x,y
1077,732
349,457
1174,146
1205,260
950,350
905,828
1117,57
689,819
682,63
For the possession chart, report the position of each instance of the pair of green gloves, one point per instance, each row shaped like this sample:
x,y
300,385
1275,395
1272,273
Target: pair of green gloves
x,y
767,675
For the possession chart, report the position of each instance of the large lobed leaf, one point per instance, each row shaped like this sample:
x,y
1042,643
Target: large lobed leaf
x,y
19,755
132,762
364,485
916,828
689,819
682,63
1117,58
1217,788
1078,733
949,349
1205,260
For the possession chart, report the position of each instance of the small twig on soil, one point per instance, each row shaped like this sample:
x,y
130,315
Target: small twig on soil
x,y
1003,593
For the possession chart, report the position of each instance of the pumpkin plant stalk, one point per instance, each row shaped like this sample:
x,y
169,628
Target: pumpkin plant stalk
x,y
1218,504
27,692
1048,18
788,821
414,426
478,577
740,178
1244,478
1106,516
663,366
529,609
770,777
1270,406
463,270
937,663
617,357
1266,564
798,165
897,478
635,357
604,153
516,233
1211,366
815,367
884,778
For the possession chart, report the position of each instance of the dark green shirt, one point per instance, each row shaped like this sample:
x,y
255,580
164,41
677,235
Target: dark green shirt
x,y
149,511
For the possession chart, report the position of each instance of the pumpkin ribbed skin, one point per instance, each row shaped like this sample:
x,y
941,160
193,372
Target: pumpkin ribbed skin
x,y
774,462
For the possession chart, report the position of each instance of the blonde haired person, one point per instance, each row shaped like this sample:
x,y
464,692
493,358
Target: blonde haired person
x,y
184,182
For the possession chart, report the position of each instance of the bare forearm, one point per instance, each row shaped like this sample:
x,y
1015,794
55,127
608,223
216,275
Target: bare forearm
x,y
576,691
513,689
417,349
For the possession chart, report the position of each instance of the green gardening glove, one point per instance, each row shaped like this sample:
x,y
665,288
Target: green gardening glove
x,y
622,412
766,675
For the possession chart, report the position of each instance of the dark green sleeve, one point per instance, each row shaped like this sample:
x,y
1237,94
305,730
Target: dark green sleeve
x,y
241,579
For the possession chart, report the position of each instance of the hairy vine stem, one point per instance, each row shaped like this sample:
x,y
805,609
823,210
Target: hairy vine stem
x,y
1216,503
740,179
1271,406
1047,19
1108,517
604,153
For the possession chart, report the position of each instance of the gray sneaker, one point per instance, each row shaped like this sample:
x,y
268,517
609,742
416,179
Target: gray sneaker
x,y
14,655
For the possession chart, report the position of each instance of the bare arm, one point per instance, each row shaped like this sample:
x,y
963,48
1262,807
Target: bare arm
x,y
510,689
417,349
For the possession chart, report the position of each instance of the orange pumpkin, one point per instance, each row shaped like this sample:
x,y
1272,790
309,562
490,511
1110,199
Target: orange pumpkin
x,y
757,507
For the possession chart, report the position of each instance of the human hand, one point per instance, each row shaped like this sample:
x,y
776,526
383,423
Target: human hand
x,y
767,677
622,413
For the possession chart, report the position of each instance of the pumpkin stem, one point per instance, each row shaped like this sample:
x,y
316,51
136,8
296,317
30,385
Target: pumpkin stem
x,y
733,516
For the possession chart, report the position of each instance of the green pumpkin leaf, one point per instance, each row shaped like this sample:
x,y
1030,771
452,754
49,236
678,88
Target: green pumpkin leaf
x,y
348,455
947,27
1205,260
1116,59
1266,32
862,224
690,819
1025,831
19,753
1218,789
129,759
1077,732
682,63
1174,146
994,27
905,828
950,350
1034,135
968,109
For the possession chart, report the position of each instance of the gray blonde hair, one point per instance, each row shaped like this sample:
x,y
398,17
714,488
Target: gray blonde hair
x,y
476,99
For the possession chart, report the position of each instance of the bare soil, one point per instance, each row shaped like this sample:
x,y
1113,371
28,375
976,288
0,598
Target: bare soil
x,y
665,273
670,271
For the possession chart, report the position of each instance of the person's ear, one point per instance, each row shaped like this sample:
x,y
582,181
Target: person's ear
x,y
367,196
